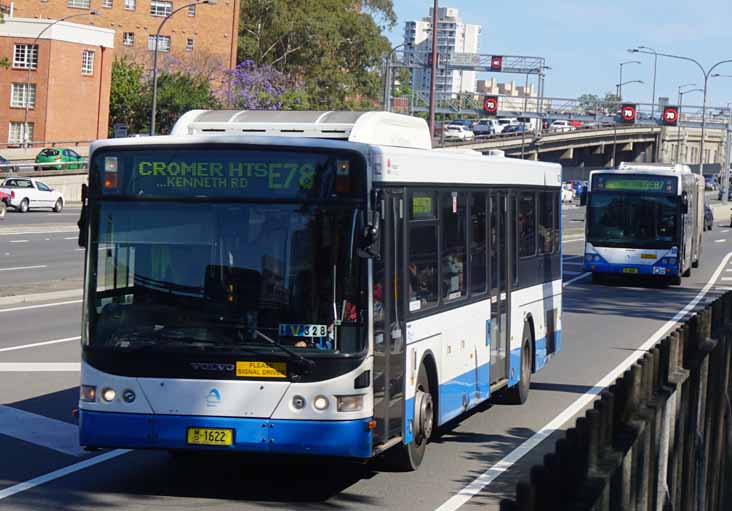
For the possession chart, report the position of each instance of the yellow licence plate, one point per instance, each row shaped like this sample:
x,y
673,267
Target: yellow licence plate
x,y
630,270
208,436
648,256
261,369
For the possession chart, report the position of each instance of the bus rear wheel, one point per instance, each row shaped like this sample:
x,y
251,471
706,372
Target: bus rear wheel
x,y
409,457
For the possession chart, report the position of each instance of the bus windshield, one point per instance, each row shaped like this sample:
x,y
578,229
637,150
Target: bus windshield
x,y
621,219
226,275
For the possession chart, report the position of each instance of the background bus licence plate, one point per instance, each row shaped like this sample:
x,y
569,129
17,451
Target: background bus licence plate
x,y
208,436
630,270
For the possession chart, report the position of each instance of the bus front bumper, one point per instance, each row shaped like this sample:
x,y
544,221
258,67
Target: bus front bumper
x,y
632,269
350,439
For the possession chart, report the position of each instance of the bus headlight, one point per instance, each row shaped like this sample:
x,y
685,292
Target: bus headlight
x,y
88,393
349,403
320,403
108,395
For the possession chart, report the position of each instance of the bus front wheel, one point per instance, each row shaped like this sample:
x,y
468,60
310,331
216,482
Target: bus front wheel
x,y
675,280
519,393
409,457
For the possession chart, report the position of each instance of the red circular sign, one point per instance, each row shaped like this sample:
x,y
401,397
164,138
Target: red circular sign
x,y
496,63
670,115
628,113
490,104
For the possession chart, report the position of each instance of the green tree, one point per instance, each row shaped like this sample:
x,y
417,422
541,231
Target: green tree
x,y
334,48
4,61
611,102
178,93
128,101
588,102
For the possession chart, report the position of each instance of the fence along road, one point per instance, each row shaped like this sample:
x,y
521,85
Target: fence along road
x,y
660,436
602,327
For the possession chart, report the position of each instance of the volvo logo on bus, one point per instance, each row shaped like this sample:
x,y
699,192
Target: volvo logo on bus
x,y
212,366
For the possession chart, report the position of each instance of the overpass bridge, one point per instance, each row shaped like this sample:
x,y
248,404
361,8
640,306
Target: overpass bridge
x,y
606,145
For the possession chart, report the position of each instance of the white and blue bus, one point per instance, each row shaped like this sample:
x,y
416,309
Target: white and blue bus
x,y
644,219
310,283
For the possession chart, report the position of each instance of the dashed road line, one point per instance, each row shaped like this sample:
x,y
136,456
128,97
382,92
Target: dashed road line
x,y
18,241
39,367
572,281
43,343
720,241
25,268
39,430
41,306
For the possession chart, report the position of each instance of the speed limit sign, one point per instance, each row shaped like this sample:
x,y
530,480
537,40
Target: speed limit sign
x,y
490,104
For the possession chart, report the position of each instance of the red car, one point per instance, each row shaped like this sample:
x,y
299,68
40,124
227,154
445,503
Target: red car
x,y
4,201
576,124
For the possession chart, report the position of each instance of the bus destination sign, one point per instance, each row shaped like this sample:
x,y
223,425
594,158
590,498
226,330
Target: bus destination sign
x,y
229,173
631,183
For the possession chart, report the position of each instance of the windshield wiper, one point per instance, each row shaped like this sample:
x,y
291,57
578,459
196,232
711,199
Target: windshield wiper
x,y
307,364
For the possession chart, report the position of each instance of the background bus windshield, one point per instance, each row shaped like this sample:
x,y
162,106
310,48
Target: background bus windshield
x,y
621,219
226,277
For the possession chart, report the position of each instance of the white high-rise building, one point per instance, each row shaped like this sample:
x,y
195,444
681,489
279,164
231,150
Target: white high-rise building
x,y
453,36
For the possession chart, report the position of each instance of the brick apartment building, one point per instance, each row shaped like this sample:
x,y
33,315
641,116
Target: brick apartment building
x,y
201,37
70,75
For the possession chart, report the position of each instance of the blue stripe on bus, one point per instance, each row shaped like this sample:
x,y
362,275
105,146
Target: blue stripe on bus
x,y
350,439
540,355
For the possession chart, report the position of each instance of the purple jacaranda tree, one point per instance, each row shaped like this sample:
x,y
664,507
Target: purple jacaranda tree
x,y
258,87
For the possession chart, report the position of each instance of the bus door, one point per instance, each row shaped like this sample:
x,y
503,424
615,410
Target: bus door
x,y
499,295
389,327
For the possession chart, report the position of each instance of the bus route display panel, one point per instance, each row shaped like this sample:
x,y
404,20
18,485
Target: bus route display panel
x,y
229,173
634,183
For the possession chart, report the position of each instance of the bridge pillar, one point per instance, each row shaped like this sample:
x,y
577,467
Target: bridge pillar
x,y
568,154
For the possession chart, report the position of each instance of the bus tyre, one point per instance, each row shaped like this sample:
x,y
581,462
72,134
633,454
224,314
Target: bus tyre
x,y
695,264
687,273
519,393
675,280
407,458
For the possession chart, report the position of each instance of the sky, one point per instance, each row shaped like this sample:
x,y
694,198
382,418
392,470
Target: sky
x,y
583,41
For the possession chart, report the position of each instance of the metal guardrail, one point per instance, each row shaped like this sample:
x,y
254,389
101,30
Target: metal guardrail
x,y
40,143
659,438
44,169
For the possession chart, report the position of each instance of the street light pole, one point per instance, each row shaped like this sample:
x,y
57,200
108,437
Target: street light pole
x,y
388,81
655,68
155,60
678,124
619,88
433,78
706,74
26,95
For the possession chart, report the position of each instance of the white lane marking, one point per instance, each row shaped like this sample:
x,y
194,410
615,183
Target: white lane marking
x,y
572,240
720,241
38,230
727,278
39,367
72,238
57,474
39,430
24,268
572,281
27,307
47,239
487,477
36,344
725,231
80,249
18,241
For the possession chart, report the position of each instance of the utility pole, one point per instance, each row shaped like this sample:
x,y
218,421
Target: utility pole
x,y
433,77
727,157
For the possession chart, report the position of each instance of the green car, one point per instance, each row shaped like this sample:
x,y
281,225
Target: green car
x,y
61,155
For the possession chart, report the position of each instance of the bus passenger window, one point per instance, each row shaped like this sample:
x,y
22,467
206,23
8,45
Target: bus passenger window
x,y
422,266
454,241
527,224
478,246
546,221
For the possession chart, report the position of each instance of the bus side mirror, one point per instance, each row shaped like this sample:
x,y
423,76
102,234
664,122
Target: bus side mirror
x,y
371,241
83,222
